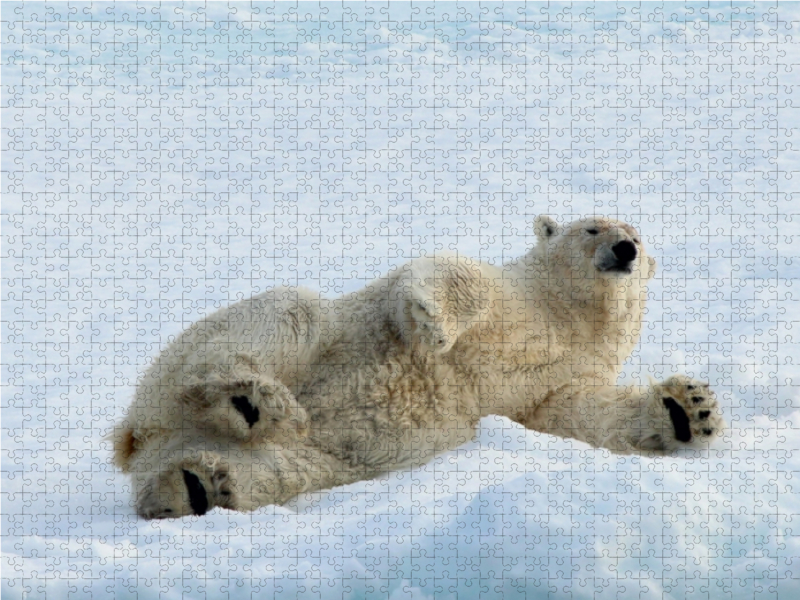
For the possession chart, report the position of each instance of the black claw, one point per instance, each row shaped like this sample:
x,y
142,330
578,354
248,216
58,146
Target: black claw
x,y
198,499
704,414
697,399
249,412
680,421
708,431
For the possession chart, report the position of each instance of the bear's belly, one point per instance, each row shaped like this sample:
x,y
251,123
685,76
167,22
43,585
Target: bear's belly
x,y
391,415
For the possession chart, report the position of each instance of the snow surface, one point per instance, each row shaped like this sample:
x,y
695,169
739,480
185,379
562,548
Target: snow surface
x,y
525,515
123,222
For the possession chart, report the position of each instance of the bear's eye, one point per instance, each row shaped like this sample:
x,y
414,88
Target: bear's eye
x,y
592,231
636,241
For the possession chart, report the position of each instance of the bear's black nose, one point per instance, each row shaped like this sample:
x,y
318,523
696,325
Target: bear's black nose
x,y
624,251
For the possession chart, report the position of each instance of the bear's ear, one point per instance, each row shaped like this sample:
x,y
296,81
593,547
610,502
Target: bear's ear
x,y
545,227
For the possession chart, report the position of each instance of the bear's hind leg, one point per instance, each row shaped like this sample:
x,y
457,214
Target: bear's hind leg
x,y
246,410
194,480
190,485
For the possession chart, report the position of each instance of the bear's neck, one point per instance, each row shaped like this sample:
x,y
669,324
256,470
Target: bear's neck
x,y
603,316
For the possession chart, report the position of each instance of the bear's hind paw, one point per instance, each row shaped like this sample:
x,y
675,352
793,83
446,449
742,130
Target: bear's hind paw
x,y
251,411
191,486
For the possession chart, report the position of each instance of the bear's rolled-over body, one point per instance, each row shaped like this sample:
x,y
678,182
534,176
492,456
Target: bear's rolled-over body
x,y
288,392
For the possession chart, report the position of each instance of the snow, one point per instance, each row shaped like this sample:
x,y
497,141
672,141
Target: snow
x,y
129,224
515,513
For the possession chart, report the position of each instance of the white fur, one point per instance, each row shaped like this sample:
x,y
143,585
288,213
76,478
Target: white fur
x,y
391,375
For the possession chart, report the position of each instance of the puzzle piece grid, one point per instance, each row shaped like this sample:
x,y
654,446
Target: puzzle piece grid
x,y
162,160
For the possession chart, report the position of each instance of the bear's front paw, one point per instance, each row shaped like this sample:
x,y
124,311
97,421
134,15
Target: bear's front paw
x,y
681,412
433,330
191,486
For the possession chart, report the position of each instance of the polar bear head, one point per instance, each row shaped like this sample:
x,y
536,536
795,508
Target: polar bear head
x,y
593,254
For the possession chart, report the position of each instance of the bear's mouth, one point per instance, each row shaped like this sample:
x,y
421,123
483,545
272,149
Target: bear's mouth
x,y
617,269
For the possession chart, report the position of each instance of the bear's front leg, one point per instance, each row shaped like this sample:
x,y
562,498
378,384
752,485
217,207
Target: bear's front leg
x,y
437,299
676,413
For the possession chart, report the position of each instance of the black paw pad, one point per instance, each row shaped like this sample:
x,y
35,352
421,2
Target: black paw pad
x,y
680,421
249,412
198,499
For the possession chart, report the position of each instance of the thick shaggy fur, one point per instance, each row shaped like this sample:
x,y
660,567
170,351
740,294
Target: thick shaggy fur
x,y
287,392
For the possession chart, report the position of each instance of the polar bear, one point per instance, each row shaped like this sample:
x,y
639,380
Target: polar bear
x,y
288,392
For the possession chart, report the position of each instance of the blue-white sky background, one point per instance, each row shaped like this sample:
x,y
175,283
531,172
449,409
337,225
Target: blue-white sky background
x,y
161,160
